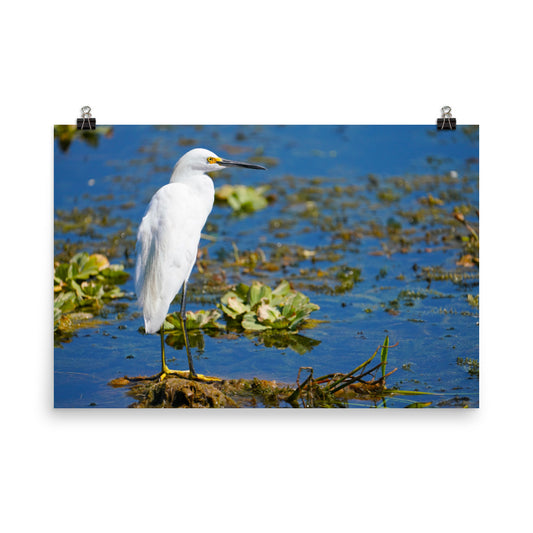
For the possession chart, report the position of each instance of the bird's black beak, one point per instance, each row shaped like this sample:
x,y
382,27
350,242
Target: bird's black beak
x,y
228,163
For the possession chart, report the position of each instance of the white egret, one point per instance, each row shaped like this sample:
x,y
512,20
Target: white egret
x,y
168,238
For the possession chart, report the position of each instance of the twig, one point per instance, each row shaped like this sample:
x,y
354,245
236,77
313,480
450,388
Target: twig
x,y
375,383
294,396
344,376
353,380
461,218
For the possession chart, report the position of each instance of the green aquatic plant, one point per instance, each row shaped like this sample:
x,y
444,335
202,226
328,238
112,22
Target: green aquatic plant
x,y
195,320
430,200
437,273
198,323
473,300
98,227
347,277
84,283
242,198
66,134
388,195
471,365
384,356
335,280
258,308
268,317
203,322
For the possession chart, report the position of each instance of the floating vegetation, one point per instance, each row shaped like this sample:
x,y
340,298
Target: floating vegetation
x,y
84,283
455,402
473,300
258,308
430,200
388,195
347,277
336,279
99,228
438,274
472,365
281,223
249,259
83,221
267,317
260,157
409,294
199,320
268,161
471,131
66,134
242,198
285,255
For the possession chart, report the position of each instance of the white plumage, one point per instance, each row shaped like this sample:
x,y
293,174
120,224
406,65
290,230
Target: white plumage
x,y
169,234
168,237
167,245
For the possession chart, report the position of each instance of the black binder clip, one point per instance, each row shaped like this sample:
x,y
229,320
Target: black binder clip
x,y
86,122
446,122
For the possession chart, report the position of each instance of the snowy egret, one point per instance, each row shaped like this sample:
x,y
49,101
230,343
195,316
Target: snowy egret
x,y
168,238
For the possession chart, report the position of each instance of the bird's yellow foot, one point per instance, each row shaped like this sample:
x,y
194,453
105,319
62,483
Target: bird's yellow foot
x,y
185,374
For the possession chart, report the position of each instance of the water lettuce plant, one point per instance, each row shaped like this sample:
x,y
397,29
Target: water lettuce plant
x,y
242,198
257,307
269,317
84,283
204,322
198,323
195,320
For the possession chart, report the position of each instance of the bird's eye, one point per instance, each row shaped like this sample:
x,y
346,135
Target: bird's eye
x,y
211,160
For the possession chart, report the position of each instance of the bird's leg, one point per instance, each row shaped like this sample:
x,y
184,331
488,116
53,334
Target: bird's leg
x,y
164,367
165,371
183,320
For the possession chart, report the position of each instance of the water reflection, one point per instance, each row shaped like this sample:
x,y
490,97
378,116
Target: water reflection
x,y
300,344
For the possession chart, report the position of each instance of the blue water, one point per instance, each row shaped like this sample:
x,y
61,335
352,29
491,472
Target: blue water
x,y
125,170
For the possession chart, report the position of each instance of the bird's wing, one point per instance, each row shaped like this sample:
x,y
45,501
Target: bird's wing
x,y
167,244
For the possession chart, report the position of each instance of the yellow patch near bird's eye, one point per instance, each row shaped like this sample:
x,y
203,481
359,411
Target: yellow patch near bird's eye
x,y
212,160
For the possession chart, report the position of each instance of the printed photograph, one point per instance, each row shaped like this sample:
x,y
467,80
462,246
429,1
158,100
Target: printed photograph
x,y
309,266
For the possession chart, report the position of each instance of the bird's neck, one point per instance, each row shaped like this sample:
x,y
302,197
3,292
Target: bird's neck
x,y
185,174
198,181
